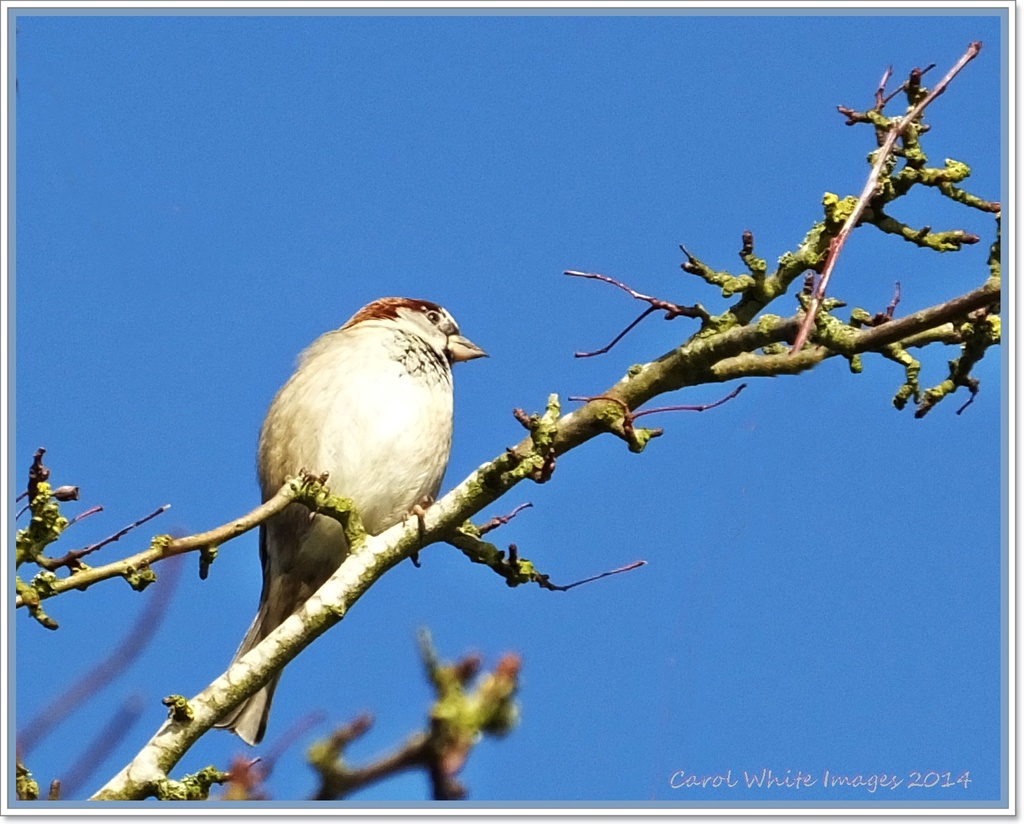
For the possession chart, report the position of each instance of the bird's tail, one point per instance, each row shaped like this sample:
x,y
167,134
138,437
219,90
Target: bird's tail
x,y
249,719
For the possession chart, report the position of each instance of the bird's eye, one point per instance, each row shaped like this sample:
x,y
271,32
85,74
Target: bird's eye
x,y
434,317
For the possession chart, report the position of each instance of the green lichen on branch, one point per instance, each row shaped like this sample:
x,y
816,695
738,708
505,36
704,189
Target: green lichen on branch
x,y
912,369
728,284
740,342
982,332
515,570
539,462
195,787
139,578
461,713
43,529
25,785
207,555
313,492
32,595
467,706
179,709
924,237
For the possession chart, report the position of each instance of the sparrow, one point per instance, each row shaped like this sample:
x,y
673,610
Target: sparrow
x,y
371,404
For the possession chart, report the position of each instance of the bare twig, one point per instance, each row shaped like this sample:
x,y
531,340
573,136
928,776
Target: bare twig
x,y
632,416
891,308
970,400
37,473
917,74
122,532
462,714
564,588
169,549
71,559
880,91
81,516
337,783
245,775
501,520
618,337
671,310
701,408
868,192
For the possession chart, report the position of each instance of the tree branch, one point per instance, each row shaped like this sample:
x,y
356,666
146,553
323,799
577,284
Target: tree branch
x,y
742,342
702,359
896,130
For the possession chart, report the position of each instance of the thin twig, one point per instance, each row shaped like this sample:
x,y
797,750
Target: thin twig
x,y
880,91
894,302
37,473
178,546
970,400
869,191
71,558
81,516
632,416
566,587
618,337
702,408
903,85
501,520
122,532
671,310
657,303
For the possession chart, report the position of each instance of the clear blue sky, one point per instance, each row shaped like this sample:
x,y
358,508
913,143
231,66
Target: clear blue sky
x,y
199,197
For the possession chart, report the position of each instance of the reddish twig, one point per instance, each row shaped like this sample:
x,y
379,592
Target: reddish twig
x,y
631,416
869,191
501,520
521,416
81,516
244,778
546,584
618,337
544,581
894,302
37,473
122,532
701,408
880,91
671,310
72,558
915,77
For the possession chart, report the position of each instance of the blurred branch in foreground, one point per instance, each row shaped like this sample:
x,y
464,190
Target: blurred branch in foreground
x,y
461,714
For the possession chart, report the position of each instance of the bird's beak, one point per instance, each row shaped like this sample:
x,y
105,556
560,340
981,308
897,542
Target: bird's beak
x,y
463,349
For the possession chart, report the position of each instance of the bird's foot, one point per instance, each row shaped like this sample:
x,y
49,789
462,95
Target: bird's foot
x,y
419,509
